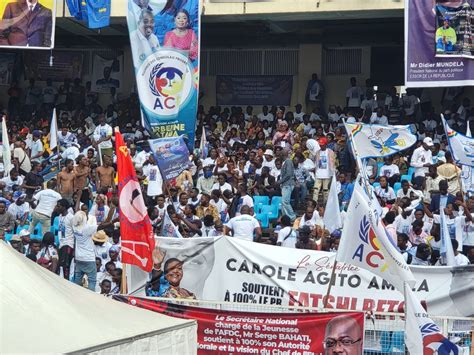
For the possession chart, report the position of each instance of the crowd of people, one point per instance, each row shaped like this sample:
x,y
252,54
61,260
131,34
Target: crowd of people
x,y
60,207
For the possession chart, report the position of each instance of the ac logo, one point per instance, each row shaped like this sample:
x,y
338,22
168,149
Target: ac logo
x,y
373,258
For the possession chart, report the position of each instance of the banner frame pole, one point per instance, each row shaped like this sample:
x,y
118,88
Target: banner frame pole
x,y
333,273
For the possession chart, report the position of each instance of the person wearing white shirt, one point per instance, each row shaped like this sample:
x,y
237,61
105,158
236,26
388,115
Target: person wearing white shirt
x,y
410,102
103,137
354,95
12,180
298,114
221,183
66,138
244,226
46,202
422,158
155,181
384,191
268,159
286,235
142,156
265,115
36,147
369,104
390,170
378,117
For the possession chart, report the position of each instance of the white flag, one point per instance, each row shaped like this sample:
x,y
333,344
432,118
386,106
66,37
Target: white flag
x,y
366,243
372,140
422,335
446,251
461,146
6,151
332,213
203,146
53,132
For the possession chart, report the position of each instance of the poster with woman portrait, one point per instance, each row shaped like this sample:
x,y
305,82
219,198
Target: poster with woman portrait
x,y
164,37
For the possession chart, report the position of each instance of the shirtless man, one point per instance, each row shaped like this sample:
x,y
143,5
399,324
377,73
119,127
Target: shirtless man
x,y
66,180
105,174
81,182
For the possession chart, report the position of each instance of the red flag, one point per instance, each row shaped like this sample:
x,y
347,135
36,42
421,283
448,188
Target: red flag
x,y
136,231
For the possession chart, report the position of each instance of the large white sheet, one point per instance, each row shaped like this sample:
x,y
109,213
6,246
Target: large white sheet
x,y
42,313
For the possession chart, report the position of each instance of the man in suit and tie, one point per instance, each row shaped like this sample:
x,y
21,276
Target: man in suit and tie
x,y
26,23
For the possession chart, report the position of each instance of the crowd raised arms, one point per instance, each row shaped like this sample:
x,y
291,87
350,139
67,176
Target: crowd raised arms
x,y
265,175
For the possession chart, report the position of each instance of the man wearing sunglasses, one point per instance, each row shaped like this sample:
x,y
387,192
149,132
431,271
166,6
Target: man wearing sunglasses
x,y
343,336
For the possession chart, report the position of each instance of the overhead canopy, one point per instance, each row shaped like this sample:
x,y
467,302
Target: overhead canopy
x,y
43,313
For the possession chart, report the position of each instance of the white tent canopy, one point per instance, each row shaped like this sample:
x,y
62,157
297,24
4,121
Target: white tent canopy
x,y
43,313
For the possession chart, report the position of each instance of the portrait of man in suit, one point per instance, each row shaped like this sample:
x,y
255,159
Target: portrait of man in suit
x,y
26,23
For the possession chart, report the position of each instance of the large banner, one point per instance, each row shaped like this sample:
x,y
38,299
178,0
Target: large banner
x,y
254,89
66,65
96,14
164,38
439,43
27,24
227,332
228,269
107,73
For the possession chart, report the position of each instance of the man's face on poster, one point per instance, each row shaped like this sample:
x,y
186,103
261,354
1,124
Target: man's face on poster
x,y
147,25
197,259
343,336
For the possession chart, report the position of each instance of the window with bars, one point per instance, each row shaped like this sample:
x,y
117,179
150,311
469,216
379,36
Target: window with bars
x,y
343,61
249,62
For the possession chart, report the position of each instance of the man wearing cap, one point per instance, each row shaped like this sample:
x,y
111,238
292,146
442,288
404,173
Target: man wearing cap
x,y
25,240
16,243
19,209
268,159
421,160
445,37
325,162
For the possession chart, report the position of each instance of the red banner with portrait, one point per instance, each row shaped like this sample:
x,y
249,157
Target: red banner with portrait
x,y
224,332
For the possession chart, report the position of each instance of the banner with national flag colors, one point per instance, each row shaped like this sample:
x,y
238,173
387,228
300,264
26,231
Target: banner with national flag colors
x,y
461,146
136,232
365,242
372,140
422,335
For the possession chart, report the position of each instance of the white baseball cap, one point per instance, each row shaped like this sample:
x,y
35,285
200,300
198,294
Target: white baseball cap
x,y
428,141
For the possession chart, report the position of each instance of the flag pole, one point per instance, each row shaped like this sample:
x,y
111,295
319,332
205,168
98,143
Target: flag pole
x,y
331,279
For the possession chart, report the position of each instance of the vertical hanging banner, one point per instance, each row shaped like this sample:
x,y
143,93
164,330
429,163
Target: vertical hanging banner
x,y
27,24
164,38
439,43
227,332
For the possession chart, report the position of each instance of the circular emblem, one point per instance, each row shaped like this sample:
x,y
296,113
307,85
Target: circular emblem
x,y
167,82
131,205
